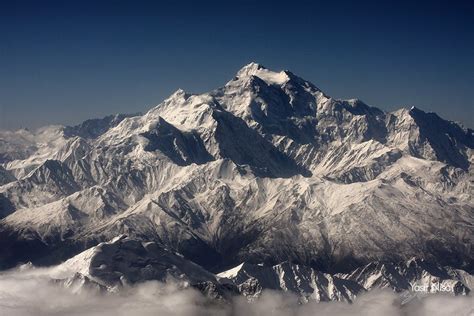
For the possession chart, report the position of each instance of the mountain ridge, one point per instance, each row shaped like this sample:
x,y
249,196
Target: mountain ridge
x,y
123,262
266,169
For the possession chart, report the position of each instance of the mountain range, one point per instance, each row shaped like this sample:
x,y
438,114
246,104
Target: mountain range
x,y
264,183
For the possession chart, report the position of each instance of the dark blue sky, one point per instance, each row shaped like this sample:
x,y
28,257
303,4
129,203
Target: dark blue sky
x,y
66,61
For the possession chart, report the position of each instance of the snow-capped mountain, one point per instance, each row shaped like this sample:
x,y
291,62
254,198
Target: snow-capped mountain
x,y
123,262
314,285
266,169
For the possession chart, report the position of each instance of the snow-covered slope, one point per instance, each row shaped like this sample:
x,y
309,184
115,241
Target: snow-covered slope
x,y
266,169
23,150
124,261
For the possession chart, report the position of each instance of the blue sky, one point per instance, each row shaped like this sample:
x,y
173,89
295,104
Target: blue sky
x,y
66,61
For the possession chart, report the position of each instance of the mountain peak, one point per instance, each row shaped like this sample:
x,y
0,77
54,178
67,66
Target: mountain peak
x,y
269,76
180,93
252,66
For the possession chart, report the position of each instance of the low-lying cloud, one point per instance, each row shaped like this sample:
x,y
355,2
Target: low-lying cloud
x,y
25,292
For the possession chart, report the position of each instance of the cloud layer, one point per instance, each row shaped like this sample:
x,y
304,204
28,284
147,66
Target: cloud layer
x,y
25,292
